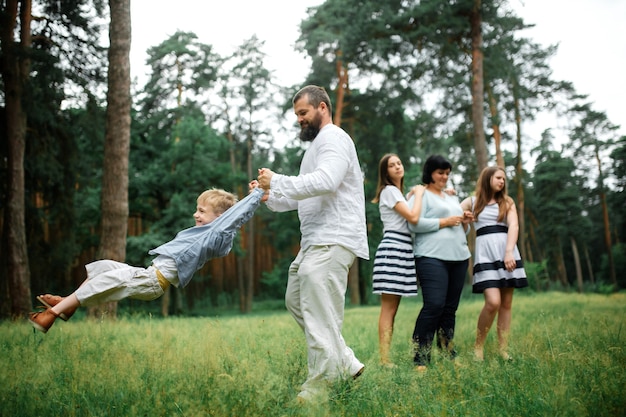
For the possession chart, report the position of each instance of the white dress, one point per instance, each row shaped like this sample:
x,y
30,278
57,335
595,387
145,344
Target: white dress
x,y
489,270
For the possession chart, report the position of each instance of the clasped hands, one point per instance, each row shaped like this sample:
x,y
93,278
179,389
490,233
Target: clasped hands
x,y
263,181
465,219
265,178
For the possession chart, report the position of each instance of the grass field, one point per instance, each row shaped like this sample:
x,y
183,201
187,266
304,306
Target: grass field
x,y
569,353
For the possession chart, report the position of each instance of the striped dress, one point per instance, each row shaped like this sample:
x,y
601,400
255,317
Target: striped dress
x,y
489,270
394,264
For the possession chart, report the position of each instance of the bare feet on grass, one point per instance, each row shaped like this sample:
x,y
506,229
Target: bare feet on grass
x,y
388,365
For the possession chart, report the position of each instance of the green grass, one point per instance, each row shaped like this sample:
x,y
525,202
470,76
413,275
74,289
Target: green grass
x,y
569,355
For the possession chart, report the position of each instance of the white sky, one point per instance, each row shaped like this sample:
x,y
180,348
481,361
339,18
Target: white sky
x,y
591,35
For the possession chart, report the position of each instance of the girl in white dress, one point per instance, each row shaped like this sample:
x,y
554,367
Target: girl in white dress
x,y
498,267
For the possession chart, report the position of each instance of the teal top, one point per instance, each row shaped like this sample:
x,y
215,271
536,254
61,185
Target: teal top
x,y
446,244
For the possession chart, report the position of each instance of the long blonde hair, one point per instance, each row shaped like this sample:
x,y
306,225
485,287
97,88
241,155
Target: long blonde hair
x,y
383,176
484,193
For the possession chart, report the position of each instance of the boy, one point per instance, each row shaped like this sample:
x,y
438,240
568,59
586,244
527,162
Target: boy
x,y
218,216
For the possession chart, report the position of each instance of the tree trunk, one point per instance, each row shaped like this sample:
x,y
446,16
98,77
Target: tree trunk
x,y
342,89
560,264
519,179
532,236
241,282
592,277
605,216
579,270
165,302
607,238
250,250
117,143
478,86
495,125
353,283
15,74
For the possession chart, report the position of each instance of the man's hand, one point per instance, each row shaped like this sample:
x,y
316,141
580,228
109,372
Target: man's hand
x,y
265,178
255,184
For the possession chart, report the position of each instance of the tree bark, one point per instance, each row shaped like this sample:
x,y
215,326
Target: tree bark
x,y
165,302
342,88
519,178
250,249
605,217
117,143
592,278
579,270
480,145
495,125
560,264
15,74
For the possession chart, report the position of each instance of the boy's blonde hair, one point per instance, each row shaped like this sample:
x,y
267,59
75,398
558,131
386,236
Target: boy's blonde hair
x,y
219,199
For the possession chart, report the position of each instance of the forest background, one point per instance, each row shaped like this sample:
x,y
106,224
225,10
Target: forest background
x,y
94,167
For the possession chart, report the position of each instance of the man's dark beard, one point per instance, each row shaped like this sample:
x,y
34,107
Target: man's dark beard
x,y
309,131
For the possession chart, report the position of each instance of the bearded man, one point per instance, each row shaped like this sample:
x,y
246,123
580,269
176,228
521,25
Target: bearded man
x,y
328,194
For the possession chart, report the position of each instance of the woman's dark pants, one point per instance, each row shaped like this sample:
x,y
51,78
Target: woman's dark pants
x,y
441,284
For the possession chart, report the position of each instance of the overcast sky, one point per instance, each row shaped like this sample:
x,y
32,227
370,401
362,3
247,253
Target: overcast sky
x,y
591,35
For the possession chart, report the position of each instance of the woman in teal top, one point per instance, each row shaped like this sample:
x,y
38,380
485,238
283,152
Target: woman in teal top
x,y
441,258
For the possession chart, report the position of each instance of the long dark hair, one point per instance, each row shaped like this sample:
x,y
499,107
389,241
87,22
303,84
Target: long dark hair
x,y
383,176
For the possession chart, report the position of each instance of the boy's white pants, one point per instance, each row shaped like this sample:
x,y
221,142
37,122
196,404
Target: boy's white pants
x,y
113,281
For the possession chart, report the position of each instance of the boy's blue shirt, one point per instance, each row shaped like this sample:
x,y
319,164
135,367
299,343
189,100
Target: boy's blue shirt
x,y
193,247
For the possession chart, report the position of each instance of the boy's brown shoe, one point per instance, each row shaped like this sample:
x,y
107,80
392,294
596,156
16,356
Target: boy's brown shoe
x,y
43,320
50,301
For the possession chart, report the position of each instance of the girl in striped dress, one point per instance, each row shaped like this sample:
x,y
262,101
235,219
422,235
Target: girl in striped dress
x,y
498,267
394,273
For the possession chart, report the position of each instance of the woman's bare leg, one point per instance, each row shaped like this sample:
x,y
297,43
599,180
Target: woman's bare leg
x,y
485,320
504,321
388,309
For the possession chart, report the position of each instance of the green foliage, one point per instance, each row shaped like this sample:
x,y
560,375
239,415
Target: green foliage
x,y
557,201
69,34
567,348
600,287
179,63
618,168
592,140
537,275
619,259
274,282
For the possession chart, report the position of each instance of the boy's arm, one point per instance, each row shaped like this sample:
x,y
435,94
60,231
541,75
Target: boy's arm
x,y
240,213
